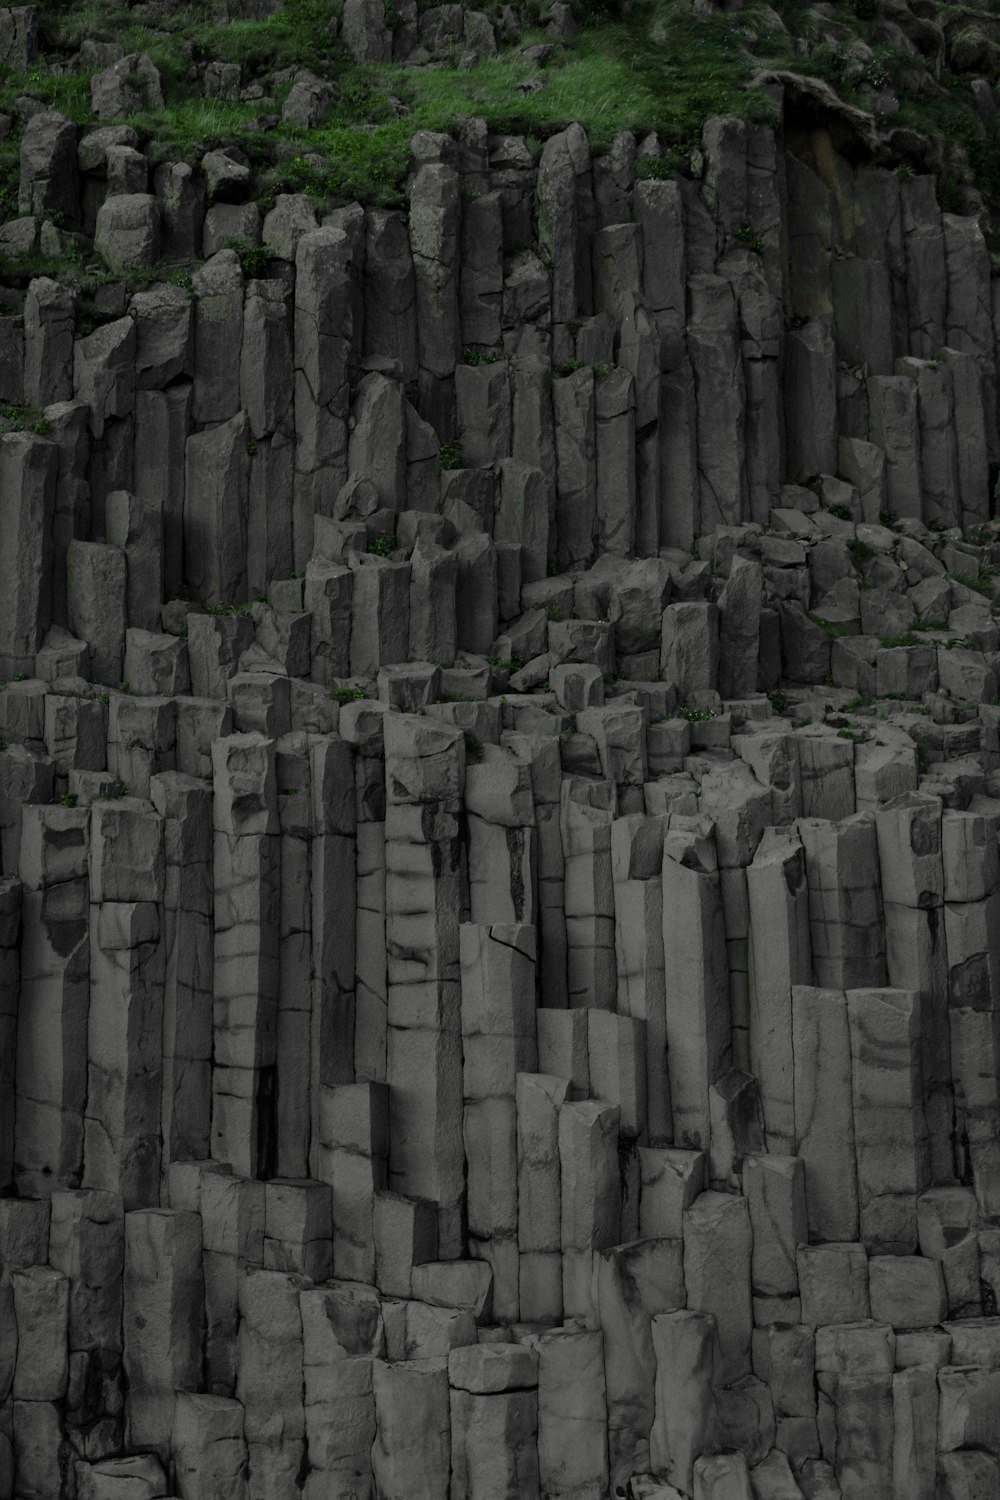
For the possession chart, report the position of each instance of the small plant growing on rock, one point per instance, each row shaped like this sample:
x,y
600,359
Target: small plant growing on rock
x,y
450,455
746,235
68,799
347,694
473,748
568,367
696,715
479,357
253,258
382,545
653,168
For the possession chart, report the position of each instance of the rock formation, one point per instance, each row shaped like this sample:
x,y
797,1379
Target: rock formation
x,y
499,810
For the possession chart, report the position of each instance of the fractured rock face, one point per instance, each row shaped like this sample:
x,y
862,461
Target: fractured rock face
x,y
499,811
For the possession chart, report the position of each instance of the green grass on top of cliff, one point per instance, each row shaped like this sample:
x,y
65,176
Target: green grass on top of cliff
x,y
648,65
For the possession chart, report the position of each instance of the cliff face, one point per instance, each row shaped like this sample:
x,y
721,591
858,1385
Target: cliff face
x,y
499,821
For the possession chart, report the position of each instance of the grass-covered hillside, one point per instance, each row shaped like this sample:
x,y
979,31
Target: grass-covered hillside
x,y
657,66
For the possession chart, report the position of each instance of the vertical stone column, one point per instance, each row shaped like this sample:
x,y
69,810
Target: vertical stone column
x,y
587,811
269,1381
29,468
575,426
572,1414
333,919
216,508
87,1244
538,1099
232,1218
972,938
824,1111
207,1446
699,1045
323,327
342,1336
162,423
713,343
10,985
633,1283
51,1066
39,1356
845,901
294,1017
411,1456
353,1159
125,1019
890,1133
185,805
741,808
361,727
494,1422
500,818
542,756
163,1321
267,387
425,899
246,907
780,958
909,830
591,1197
637,870
498,1035
684,1426
434,224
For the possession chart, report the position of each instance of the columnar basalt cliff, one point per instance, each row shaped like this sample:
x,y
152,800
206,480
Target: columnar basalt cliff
x,y
499,809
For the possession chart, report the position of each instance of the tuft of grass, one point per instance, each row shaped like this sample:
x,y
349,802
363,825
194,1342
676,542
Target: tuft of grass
x,y
382,545
347,694
473,748
450,455
890,641
696,715
832,629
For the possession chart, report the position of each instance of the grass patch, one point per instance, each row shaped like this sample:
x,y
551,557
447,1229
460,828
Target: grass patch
x,y
891,641
24,419
832,629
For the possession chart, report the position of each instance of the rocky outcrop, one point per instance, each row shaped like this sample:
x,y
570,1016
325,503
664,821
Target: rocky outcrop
x,y
499,817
